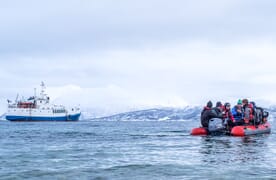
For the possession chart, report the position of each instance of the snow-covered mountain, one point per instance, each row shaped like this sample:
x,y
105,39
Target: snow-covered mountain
x,y
159,114
155,114
3,117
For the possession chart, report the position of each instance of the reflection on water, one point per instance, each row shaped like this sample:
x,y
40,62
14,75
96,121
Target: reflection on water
x,y
227,149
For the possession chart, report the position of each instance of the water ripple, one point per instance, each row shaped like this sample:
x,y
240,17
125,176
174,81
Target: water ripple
x,y
130,150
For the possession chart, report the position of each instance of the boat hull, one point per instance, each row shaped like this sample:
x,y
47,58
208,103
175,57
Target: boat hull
x,y
200,131
251,130
74,117
244,130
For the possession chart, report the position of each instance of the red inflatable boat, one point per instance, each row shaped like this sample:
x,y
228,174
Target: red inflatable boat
x,y
243,130
199,131
251,129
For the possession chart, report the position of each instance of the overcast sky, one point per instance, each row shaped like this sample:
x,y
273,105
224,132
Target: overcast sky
x,y
120,55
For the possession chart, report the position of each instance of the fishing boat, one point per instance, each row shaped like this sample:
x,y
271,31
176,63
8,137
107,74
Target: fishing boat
x,y
39,108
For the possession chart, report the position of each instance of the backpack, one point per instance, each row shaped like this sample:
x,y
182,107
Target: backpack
x,y
258,115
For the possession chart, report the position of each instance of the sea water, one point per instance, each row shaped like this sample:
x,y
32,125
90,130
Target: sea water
x,y
130,150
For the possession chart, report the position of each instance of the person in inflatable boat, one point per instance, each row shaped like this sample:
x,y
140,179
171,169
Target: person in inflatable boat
x,y
237,112
260,115
227,115
219,109
248,111
208,113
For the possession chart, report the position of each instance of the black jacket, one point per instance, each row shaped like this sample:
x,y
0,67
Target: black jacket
x,y
208,114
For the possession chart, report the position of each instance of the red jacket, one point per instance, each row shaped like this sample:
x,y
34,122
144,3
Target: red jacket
x,y
248,113
227,114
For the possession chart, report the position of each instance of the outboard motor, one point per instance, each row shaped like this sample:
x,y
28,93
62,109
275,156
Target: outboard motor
x,y
216,126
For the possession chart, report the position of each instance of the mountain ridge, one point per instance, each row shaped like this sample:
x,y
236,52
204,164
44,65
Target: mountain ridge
x,y
155,114
165,113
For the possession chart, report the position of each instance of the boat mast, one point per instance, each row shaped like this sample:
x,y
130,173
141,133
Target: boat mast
x,y
42,89
34,93
42,93
16,99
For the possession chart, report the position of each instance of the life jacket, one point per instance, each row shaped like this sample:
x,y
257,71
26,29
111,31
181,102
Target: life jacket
x,y
227,114
248,113
205,108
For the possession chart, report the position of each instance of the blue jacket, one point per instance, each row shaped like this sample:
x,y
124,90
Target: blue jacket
x,y
237,115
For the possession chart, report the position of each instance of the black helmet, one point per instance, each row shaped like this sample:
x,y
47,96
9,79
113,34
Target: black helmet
x,y
253,103
218,104
209,104
227,104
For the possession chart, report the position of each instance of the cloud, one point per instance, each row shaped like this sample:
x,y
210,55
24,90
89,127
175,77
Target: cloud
x,y
124,54
51,27
171,75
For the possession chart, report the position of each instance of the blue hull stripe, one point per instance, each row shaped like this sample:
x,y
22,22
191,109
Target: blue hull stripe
x,y
74,117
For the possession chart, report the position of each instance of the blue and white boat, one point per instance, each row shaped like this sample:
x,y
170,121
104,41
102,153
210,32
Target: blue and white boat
x,y
38,108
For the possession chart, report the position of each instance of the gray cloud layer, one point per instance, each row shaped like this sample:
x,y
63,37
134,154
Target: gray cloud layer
x,y
35,26
143,53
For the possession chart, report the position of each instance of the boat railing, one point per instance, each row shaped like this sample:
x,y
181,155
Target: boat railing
x,y
12,106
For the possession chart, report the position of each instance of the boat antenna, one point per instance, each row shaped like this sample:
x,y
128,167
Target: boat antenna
x,y
42,88
16,99
34,92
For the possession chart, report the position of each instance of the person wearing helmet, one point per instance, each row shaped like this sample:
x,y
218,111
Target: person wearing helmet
x,y
219,108
208,106
227,115
239,102
248,111
219,104
227,111
237,112
206,110
208,113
